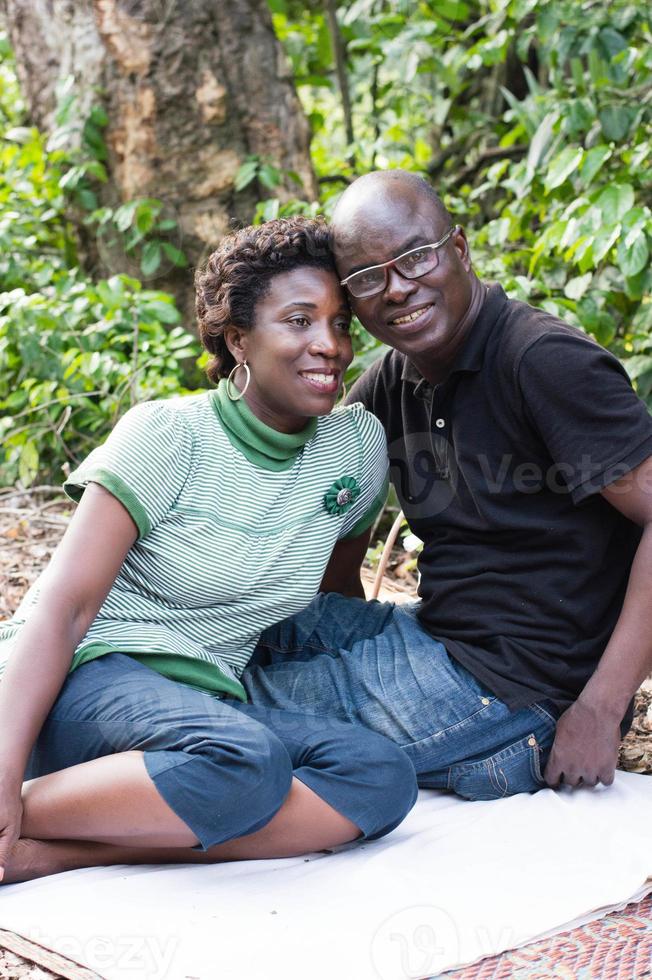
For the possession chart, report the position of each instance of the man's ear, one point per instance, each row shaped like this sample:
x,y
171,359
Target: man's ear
x,y
461,245
237,341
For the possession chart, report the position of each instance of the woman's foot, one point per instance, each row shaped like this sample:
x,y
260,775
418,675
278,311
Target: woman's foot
x,y
31,859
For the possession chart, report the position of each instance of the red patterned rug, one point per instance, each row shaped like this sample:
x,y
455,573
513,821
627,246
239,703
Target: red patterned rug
x,y
617,947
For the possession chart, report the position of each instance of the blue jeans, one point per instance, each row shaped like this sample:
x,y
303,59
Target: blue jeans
x,y
372,663
224,767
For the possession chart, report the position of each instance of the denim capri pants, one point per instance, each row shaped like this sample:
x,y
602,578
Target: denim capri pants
x,y
223,767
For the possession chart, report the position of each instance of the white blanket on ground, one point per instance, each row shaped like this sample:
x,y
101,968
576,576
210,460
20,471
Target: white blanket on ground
x,y
456,882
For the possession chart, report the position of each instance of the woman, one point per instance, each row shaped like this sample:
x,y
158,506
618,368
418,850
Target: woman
x,y
201,521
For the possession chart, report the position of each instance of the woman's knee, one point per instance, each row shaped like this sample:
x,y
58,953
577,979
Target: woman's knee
x,y
223,785
391,785
362,775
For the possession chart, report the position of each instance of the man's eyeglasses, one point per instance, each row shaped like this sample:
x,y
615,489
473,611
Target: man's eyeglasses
x,y
411,265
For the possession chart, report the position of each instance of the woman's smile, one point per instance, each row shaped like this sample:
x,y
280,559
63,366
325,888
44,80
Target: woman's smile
x,y
327,381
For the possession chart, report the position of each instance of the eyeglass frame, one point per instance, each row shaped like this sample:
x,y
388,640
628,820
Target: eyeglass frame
x,y
391,264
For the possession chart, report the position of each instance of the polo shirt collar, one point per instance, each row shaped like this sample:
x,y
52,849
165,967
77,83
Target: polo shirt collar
x,y
471,356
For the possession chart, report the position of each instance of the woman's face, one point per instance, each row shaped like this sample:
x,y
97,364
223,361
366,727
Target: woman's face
x,y
297,349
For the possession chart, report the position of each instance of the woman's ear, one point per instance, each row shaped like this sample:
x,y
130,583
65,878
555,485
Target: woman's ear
x,y
236,341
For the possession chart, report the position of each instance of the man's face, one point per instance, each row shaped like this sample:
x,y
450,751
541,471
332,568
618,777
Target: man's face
x,y
416,316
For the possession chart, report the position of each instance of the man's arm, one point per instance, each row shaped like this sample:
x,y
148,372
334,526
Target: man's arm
x,y
586,743
343,570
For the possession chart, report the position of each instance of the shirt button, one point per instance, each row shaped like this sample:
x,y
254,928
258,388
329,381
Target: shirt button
x,y
531,740
440,423
485,700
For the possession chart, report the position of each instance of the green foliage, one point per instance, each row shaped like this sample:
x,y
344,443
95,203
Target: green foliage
x,y
533,120
74,353
76,356
573,225
139,230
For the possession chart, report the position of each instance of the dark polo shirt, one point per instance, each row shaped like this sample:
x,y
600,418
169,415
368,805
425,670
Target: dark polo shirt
x,y
499,471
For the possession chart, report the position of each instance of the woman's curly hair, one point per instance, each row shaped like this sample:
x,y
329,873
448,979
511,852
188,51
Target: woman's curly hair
x,y
238,274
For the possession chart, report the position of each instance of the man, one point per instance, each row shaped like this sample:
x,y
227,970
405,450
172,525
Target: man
x,y
522,458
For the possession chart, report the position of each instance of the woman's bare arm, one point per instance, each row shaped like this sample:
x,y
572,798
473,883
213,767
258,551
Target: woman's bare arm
x,y
72,589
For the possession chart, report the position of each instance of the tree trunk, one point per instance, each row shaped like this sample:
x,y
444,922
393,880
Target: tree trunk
x,y
191,88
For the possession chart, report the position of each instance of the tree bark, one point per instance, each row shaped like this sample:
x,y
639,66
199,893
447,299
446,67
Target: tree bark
x,y
191,88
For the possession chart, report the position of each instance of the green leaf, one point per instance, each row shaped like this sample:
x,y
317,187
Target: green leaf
x,y
635,219
98,116
18,134
161,311
269,176
636,287
597,322
28,463
580,116
615,201
246,173
144,219
268,210
615,121
540,142
324,49
604,241
638,365
612,42
454,10
175,254
575,288
593,162
633,253
563,165
87,199
124,215
151,258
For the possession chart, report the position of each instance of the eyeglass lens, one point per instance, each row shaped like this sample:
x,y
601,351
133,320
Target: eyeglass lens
x,y
412,265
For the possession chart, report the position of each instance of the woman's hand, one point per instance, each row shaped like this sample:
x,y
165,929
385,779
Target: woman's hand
x,y
11,815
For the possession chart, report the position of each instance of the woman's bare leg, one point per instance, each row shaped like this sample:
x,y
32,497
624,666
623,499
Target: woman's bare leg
x,y
108,811
110,799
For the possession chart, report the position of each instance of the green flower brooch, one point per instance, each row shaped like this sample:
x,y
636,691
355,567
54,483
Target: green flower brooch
x,y
341,495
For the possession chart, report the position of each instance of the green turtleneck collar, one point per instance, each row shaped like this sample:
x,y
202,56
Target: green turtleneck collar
x,y
262,445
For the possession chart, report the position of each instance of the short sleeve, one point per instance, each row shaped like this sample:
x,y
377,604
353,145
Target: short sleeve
x,y
580,400
144,463
373,476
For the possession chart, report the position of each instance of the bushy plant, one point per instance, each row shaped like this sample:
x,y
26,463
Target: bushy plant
x,y
74,353
532,118
77,355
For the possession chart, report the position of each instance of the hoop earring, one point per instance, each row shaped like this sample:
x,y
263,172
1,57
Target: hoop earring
x,y
230,383
343,392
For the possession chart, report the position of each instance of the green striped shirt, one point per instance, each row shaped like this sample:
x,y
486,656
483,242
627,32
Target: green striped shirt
x,y
233,529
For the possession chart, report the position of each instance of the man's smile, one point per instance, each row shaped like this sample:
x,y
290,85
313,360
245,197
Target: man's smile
x,y
413,316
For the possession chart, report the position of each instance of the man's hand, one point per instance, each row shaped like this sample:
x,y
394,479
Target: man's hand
x,y
585,750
